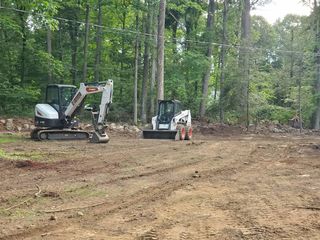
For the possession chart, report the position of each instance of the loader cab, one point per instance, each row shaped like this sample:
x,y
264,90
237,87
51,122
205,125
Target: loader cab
x,y
59,96
167,110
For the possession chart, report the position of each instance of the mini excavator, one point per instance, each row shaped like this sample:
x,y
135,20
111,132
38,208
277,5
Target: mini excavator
x,y
171,122
55,119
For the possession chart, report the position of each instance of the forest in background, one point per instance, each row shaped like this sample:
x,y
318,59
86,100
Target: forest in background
x,y
220,62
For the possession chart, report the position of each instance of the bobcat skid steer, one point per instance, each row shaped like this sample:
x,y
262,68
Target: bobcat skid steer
x,y
170,123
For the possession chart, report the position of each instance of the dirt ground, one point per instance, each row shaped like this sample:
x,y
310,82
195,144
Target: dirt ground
x,y
215,187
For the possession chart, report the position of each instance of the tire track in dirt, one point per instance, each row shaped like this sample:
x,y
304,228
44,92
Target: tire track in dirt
x,y
151,194
252,228
231,165
36,231
164,189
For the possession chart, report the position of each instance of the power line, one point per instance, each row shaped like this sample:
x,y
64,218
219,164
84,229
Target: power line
x,y
126,31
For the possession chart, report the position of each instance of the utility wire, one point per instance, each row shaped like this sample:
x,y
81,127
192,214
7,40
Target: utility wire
x,y
124,31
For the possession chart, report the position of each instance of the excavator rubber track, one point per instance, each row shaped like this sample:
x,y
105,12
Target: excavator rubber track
x,y
63,134
163,134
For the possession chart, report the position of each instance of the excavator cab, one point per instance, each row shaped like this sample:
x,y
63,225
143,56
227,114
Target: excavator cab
x,y
59,96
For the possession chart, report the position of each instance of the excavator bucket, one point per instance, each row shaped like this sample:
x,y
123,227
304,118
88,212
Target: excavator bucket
x,y
163,134
99,138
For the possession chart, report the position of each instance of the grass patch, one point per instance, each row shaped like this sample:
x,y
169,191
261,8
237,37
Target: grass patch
x,y
28,155
17,213
5,138
84,191
24,210
22,155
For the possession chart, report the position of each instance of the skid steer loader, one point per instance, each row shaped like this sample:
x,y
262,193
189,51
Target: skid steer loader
x,y
55,119
171,122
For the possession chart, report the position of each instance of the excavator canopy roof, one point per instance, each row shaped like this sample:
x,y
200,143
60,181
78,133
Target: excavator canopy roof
x,y
61,86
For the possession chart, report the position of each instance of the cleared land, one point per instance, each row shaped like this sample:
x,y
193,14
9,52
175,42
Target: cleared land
x,y
236,187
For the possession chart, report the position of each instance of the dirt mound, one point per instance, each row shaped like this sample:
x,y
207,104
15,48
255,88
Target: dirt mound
x,y
206,128
266,128
270,127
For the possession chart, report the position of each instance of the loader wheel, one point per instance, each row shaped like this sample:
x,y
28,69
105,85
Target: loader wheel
x,y
182,133
189,133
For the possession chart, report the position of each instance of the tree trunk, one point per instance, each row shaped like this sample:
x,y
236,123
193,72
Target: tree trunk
x,y
61,78
98,44
299,95
136,69
85,47
23,49
123,54
160,68
74,48
244,62
291,55
206,77
49,48
154,63
317,82
174,34
12,70
145,67
222,60
317,114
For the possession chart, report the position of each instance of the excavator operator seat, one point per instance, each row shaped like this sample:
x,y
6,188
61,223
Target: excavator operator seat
x,y
59,96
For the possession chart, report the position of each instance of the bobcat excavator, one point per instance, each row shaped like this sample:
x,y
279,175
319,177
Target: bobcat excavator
x,y
170,123
54,119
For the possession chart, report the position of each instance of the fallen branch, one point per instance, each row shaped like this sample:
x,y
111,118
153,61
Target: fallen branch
x,y
37,194
72,208
310,208
17,205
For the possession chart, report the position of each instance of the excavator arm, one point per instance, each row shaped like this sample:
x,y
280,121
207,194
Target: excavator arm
x,y
99,116
85,89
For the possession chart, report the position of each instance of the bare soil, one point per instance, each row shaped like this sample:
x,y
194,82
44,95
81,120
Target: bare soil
x,y
215,187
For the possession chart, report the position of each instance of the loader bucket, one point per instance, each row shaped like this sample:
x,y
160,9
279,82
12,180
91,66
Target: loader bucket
x,y
163,134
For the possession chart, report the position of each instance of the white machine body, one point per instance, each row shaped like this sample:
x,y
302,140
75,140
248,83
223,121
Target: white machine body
x,y
44,110
183,117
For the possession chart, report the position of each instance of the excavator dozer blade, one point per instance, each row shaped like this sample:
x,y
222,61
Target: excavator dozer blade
x,y
163,134
99,138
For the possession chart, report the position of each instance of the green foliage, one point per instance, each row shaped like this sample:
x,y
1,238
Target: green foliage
x,y
274,113
276,62
17,100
